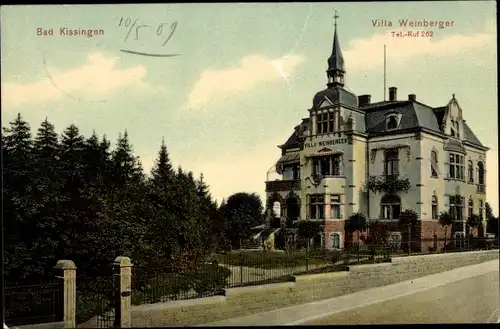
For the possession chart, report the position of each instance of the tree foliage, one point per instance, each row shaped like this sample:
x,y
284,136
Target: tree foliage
x,y
71,197
241,212
491,221
356,222
408,218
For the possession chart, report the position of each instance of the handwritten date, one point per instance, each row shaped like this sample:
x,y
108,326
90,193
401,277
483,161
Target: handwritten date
x,y
137,28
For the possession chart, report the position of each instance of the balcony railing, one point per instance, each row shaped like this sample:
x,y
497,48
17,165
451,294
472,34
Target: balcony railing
x,y
389,183
481,188
282,185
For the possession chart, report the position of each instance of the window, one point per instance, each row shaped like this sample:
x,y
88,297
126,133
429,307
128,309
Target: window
x,y
452,130
319,240
390,207
327,166
392,122
470,172
434,164
317,206
457,166
296,172
480,172
325,122
457,129
435,207
471,208
456,206
292,209
335,240
335,207
481,208
391,164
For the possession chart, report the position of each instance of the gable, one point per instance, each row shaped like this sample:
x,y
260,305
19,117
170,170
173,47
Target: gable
x,y
326,102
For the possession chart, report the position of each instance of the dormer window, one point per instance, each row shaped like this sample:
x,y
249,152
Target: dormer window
x,y
392,121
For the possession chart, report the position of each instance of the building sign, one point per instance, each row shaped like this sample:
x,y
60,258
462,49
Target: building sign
x,y
326,143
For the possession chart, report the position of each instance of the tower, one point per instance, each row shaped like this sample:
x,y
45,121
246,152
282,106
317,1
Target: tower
x,y
336,67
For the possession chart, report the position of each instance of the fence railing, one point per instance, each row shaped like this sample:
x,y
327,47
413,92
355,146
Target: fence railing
x,y
34,303
243,268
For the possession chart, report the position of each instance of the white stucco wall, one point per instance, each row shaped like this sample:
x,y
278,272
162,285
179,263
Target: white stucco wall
x,y
409,167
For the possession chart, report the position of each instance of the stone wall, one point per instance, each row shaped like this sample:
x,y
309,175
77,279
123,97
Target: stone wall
x,y
50,325
237,302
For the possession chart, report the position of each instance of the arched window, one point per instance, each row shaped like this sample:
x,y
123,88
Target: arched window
x,y
480,171
435,207
470,210
457,129
470,171
391,122
434,164
292,209
390,207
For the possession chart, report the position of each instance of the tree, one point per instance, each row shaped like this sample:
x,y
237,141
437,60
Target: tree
x,y
18,206
162,172
377,233
474,221
242,211
408,219
126,167
491,220
307,229
445,219
356,222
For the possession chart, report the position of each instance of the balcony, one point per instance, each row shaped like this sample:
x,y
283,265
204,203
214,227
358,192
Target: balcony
x,y
389,184
283,185
481,188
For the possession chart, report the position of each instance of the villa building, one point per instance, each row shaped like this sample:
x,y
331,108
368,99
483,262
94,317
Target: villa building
x,y
353,155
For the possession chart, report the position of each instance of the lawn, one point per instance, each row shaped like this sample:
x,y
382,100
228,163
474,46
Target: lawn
x,y
276,259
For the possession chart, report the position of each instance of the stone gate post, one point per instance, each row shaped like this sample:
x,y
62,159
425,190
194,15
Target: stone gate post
x,y
123,302
66,272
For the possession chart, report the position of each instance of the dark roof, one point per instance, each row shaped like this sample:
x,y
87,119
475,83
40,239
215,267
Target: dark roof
x,y
336,60
293,140
469,135
336,95
413,115
439,111
371,118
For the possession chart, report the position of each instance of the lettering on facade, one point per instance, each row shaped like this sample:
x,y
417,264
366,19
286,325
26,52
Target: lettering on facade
x,y
326,143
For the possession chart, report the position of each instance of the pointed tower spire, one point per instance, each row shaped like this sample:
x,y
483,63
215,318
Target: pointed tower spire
x,y
336,68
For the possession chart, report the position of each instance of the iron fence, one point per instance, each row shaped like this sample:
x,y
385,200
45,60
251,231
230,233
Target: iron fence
x,y
96,300
33,304
243,268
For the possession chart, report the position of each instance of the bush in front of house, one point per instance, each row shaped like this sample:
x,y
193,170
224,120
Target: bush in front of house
x,y
210,278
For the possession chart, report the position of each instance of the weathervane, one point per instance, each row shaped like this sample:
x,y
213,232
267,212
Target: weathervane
x,y
335,18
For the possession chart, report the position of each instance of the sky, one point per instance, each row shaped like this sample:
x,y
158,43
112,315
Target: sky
x,y
243,76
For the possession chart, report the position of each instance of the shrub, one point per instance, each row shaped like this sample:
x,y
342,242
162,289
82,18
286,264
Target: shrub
x,y
210,278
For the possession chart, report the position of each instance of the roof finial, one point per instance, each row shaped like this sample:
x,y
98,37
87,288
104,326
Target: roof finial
x,y
335,18
453,96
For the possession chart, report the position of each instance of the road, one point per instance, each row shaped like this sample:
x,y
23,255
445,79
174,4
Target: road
x,y
471,300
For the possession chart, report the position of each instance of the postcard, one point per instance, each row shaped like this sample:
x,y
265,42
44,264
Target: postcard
x,y
203,151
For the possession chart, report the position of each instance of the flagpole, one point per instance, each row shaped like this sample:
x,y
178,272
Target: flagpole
x,y
385,73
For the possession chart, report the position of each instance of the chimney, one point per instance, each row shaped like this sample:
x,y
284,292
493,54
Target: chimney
x,y
412,97
364,100
393,94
